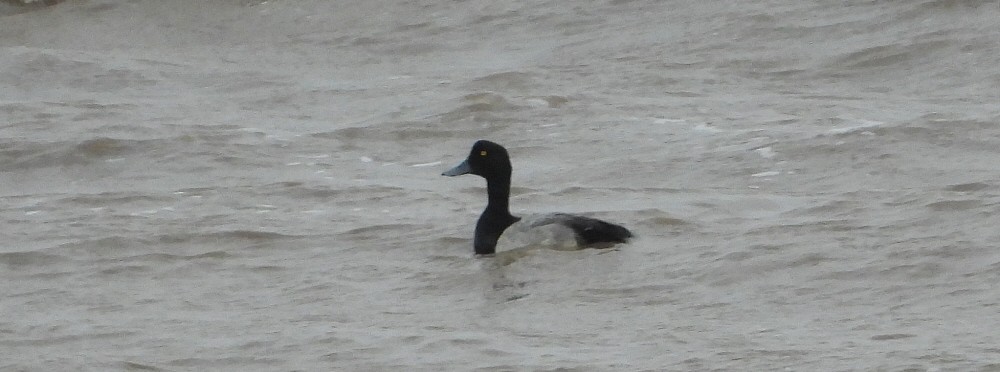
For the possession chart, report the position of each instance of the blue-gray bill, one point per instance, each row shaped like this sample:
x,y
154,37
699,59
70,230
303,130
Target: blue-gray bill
x,y
458,170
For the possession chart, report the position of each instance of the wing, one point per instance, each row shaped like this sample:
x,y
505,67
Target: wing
x,y
592,232
566,231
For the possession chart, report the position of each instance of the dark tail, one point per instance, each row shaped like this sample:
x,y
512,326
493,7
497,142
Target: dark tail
x,y
592,231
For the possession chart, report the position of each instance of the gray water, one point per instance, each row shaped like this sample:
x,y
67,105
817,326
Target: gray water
x,y
241,185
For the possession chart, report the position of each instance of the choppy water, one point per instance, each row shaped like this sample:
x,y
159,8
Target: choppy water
x,y
236,185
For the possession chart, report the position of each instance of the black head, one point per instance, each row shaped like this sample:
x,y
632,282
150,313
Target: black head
x,y
490,161
487,159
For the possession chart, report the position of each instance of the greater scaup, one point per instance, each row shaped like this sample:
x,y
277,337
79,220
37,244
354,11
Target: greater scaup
x,y
490,161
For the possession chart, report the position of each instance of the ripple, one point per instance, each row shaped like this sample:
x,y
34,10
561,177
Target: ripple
x,y
954,205
135,366
165,257
967,187
506,80
892,336
24,259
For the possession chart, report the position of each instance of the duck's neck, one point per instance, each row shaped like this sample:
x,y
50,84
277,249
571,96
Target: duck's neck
x,y
499,196
496,218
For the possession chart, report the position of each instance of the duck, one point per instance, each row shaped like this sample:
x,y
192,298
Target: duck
x,y
491,161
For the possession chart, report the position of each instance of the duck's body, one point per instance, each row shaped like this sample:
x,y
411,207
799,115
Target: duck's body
x,y
491,161
565,231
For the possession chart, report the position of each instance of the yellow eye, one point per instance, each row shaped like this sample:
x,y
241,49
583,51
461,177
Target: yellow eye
x,y
482,153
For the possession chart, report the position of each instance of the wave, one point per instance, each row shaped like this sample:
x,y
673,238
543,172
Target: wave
x,y
32,155
12,7
17,260
171,246
193,151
